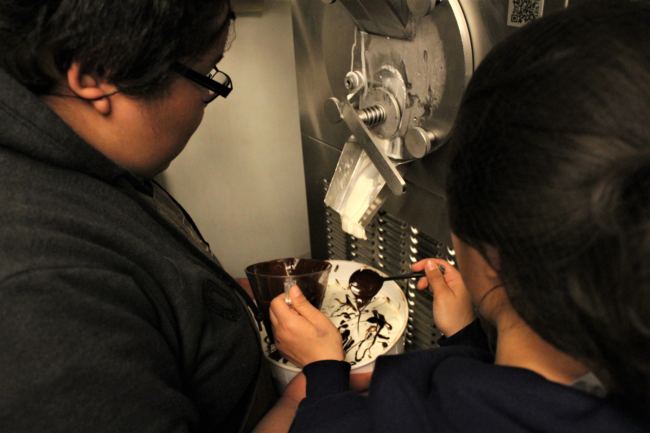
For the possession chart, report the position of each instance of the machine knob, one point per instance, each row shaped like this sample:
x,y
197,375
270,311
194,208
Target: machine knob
x,y
332,108
421,8
419,142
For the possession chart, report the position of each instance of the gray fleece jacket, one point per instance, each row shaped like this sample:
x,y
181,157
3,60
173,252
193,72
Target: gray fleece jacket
x,y
113,316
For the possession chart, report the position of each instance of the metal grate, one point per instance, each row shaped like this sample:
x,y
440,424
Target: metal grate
x,y
392,246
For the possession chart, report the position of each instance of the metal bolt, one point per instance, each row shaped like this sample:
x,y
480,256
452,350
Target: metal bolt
x,y
373,116
354,80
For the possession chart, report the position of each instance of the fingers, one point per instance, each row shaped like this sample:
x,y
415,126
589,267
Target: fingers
x,y
418,267
282,316
433,267
435,278
443,265
279,308
303,306
302,333
298,313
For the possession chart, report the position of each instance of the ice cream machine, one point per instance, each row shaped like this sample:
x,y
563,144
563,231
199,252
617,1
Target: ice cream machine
x,y
379,83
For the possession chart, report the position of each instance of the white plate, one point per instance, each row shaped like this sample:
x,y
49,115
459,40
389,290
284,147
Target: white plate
x,y
337,286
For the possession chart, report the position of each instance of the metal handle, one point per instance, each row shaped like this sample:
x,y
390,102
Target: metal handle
x,y
405,276
412,275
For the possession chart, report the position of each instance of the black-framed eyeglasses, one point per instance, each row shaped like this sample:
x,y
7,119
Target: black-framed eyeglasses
x,y
217,82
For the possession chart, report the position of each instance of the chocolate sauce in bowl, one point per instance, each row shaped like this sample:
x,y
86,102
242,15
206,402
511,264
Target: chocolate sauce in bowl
x,y
375,328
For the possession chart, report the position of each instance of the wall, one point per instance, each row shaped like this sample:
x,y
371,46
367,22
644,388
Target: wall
x,y
241,176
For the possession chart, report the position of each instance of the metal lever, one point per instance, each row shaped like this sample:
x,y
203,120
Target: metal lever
x,y
372,146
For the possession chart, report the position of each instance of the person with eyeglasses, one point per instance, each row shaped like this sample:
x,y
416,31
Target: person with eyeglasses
x,y
115,316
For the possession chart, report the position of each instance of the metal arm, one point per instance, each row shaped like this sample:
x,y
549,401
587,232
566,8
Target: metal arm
x,y
373,147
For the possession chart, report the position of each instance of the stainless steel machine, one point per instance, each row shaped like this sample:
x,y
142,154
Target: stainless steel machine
x,y
379,83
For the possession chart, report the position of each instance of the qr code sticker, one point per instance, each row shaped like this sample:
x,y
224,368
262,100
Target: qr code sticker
x,y
521,12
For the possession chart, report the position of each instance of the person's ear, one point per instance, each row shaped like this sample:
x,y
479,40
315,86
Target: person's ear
x,y
91,89
493,262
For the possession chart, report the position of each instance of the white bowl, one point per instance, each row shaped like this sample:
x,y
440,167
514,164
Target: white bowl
x,y
339,276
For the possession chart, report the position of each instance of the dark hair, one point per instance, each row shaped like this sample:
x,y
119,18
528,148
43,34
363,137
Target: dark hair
x,y
131,43
553,171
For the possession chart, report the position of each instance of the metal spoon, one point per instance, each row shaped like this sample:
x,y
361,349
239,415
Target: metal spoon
x,y
365,283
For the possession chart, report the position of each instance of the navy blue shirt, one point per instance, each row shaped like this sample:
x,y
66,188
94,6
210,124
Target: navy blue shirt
x,y
454,388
